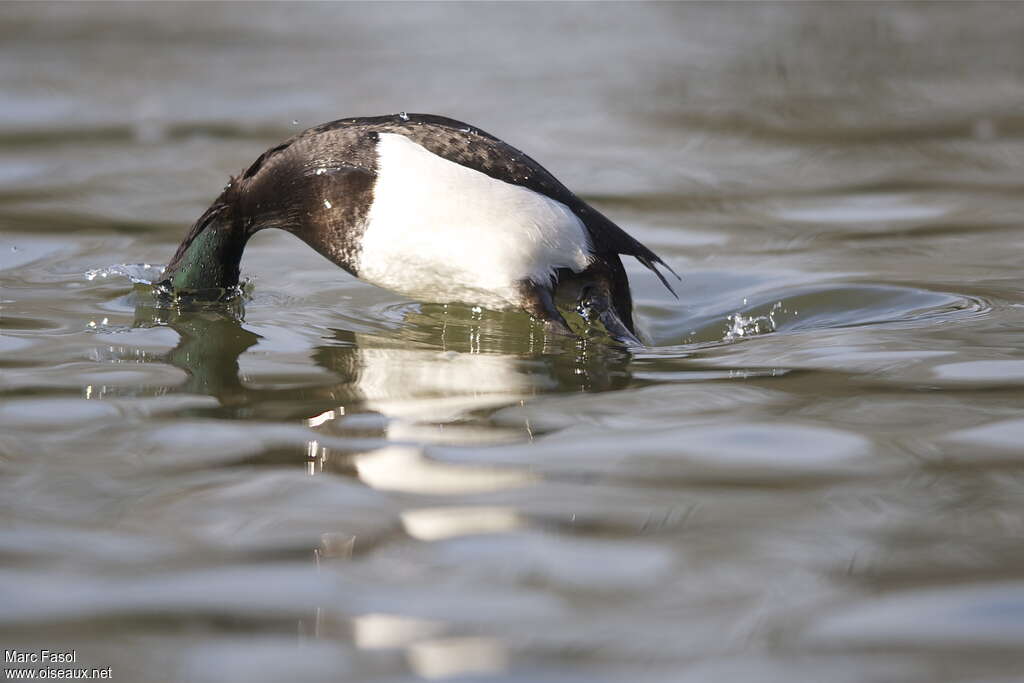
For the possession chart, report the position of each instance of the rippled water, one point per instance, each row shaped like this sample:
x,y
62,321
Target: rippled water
x,y
814,472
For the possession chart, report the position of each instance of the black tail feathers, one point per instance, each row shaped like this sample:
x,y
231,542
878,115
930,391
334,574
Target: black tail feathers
x,y
609,237
649,260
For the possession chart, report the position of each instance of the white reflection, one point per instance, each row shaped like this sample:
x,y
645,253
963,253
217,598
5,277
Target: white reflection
x,y
432,524
432,385
404,468
457,656
326,416
419,392
314,457
377,631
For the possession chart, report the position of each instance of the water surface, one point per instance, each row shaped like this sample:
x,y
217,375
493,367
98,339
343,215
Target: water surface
x,y
814,472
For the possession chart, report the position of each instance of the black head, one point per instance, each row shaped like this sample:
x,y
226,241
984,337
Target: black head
x,y
318,187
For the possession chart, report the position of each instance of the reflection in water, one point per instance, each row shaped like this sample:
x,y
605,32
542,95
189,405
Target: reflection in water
x,y
383,402
447,657
423,392
208,351
401,468
465,367
376,631
431,524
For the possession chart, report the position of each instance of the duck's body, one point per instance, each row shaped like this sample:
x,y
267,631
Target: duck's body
x,y
428,207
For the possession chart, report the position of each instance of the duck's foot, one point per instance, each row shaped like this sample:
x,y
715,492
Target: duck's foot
x,y
539,301
594,304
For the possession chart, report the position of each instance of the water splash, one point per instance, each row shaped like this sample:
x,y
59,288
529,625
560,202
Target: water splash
x,y
742,326
228,299
165,297
104,326
138,273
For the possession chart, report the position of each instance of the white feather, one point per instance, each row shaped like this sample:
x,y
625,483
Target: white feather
x,y
441,232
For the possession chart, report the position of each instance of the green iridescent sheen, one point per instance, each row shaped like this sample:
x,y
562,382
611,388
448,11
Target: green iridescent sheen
x,y
210,262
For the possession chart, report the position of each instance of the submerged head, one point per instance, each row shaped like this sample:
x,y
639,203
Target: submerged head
x,y
296,188
208,258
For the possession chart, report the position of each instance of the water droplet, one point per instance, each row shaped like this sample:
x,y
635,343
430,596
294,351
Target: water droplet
x,y
741,326
402,115
139,273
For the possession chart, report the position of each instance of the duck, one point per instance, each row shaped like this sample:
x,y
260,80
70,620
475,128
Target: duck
x,y
431,208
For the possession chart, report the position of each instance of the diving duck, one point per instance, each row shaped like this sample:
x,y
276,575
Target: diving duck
x,y
431,208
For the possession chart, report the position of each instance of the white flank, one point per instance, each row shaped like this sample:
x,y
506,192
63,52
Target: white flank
x,y
441,232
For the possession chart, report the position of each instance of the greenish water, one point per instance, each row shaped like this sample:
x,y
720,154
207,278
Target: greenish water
x,y
814,472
